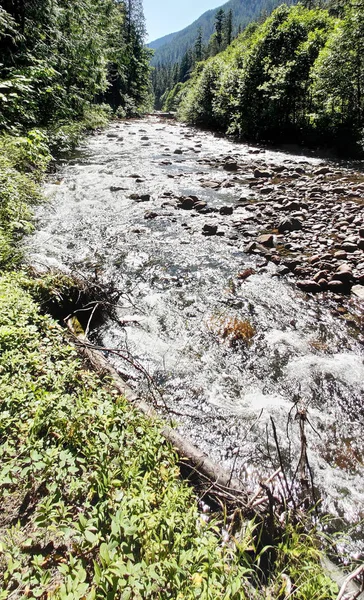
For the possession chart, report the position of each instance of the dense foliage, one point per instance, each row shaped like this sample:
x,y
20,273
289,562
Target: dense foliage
x,y
58,57
296,77
176,55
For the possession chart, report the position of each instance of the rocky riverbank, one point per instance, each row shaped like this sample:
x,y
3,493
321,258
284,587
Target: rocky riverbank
x,y
306,218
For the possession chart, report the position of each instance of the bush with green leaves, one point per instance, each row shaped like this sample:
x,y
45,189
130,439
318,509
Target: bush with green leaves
x,y
92,502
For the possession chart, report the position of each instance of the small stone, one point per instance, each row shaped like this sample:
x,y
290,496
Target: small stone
x,y
249,248
291,263
358,291
213,185
308,285
344,272
260,173
231,165
340,255
200,205
320,275
337,286
314,259
143,198
266,190
322,171
361,244
266,240
187,203
178,151
282,270
150,214
209,229
289,224
226,210
292,206
322,283
361,232
245,274
349,247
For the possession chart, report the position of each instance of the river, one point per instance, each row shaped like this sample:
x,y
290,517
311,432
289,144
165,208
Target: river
x,y
230,341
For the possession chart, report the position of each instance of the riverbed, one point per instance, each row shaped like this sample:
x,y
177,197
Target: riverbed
x,y
218,297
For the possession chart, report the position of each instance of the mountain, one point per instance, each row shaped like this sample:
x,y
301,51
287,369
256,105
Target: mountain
x,y
171,48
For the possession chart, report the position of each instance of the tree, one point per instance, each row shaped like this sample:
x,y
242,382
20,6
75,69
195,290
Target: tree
x,y
219,26
228,28
198,47
59,56
338,75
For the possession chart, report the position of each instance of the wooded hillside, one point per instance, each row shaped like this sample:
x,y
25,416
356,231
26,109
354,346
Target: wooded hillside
x,y
296,77
170,49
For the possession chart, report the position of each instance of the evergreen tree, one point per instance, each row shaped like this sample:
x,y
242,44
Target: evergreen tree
x,y
219,26
198,48
228,28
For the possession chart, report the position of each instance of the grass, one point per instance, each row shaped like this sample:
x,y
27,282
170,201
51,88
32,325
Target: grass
x,y
93,505
91,497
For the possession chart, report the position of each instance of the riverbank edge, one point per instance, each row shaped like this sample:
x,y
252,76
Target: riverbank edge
x,y
41,377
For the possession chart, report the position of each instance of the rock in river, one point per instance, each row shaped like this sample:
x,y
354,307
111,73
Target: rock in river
x,y
308,285
289,224
209,229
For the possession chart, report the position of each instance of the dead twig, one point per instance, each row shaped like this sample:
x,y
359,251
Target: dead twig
x,y
350,578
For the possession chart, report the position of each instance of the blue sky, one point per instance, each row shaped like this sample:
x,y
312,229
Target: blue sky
x,y
168,16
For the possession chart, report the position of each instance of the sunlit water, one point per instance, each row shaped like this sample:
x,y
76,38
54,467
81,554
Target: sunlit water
x,y
179,287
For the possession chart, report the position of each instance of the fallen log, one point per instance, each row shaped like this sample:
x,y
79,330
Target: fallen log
x,y
218,477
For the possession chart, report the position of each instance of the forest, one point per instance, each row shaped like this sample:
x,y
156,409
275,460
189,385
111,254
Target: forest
x,y
294,76
60,59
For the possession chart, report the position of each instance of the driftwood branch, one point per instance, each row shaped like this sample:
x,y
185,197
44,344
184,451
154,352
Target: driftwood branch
x,y
348,580
224,484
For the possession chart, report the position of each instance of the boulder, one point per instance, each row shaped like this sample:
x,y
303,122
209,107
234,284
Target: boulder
x,y
209,229
258,173
226,210
266,240
289,224
358,291
231,165
308,285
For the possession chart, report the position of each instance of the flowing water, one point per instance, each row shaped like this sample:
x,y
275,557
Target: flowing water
x,y
181,299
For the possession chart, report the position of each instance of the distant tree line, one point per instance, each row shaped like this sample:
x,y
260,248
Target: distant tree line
x,y
57,57
166,76
297,76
